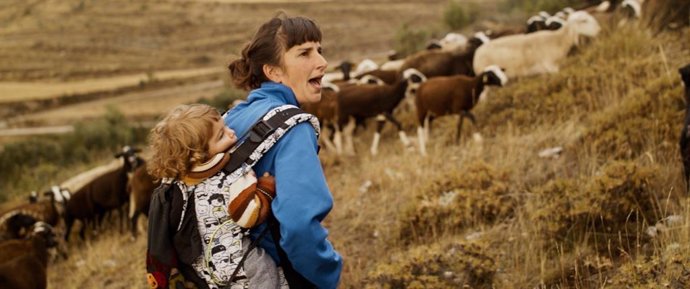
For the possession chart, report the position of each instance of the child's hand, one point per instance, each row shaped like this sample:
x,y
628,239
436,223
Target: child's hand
x,y
267,183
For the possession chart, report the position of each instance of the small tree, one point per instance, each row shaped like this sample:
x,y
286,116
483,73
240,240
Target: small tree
x,y
457,17
408,41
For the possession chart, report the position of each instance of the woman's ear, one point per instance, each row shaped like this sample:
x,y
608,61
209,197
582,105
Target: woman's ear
x,y
274,73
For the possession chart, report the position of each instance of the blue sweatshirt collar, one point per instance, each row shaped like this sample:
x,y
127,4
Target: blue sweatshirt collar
x,y
273,90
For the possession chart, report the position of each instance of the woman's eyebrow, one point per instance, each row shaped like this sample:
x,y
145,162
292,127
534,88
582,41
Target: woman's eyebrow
x,y
306,49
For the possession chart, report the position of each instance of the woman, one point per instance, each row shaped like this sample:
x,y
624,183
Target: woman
x,y
283,65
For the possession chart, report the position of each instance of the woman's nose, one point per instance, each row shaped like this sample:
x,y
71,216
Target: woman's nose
x,y
322,63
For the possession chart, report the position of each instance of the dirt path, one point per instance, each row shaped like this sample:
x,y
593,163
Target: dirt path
x,y
136,105
26,91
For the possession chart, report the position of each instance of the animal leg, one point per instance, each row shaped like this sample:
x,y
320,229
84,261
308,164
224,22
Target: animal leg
x,y
421,140
326,139
470,116
68,227
380,122
133,222
457,133
348,131
403,137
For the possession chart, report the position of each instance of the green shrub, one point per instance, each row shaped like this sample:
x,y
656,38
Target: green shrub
x,y
30,164
533,6
459,264
613,205
459,198
457,16
408,40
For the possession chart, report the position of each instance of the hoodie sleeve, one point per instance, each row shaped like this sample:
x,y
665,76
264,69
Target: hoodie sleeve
x,y
303,200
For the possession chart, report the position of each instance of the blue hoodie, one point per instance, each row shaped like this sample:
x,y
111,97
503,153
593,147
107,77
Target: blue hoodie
x,y
302,196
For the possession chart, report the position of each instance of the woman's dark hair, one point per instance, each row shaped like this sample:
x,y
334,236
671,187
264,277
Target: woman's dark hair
x,y
268,44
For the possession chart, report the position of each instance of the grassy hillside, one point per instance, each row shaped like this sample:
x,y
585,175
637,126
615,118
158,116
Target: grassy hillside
x,y
609,212
492,214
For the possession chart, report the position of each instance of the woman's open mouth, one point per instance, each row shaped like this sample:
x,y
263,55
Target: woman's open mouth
x,y
316,82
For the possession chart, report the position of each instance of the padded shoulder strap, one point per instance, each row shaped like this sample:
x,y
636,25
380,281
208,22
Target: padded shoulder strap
x,y
265,133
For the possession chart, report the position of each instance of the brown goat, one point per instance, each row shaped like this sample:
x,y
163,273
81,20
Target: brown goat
x,y
103,193
140,189
327,112
368,100
388,76
458,94
24,263
14,221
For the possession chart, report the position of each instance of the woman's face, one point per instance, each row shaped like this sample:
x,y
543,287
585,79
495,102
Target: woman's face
x,y
303,68
222,137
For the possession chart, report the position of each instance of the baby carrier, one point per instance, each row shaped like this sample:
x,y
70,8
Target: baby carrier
x,y
212,234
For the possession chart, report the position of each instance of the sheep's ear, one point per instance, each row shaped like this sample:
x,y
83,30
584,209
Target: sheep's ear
x,y
117,155
136,150
485,78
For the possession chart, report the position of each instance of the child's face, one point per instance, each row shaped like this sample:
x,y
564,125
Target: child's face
x,y
222,138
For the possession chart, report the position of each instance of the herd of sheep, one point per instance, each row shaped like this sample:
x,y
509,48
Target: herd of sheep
x,y
448,78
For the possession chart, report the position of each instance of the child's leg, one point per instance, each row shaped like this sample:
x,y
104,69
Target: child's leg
x,y
261,271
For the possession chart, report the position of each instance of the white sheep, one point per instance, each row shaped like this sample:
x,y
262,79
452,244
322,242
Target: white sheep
x,y
535,53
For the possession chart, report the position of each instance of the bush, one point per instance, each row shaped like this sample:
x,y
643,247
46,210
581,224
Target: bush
x,y
614,204
408,41
456,17
436,266
534,6
474,195
31,164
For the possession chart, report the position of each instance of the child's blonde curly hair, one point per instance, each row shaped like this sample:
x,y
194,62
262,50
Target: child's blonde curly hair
x,y
180,140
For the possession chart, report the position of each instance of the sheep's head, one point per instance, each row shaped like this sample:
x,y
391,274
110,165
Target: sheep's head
x,y
603,7
33,197
434,45
44,231
584,23
535,23
453,42
494,75
370,79
477,40
414,79
554,23
632,8
60,196
129,154
365,66
346,68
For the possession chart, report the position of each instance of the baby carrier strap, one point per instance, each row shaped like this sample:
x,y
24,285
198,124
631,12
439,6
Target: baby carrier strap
x,y
258,140
265,133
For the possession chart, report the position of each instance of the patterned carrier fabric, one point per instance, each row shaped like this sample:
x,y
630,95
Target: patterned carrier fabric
x,y
272,139
222,238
